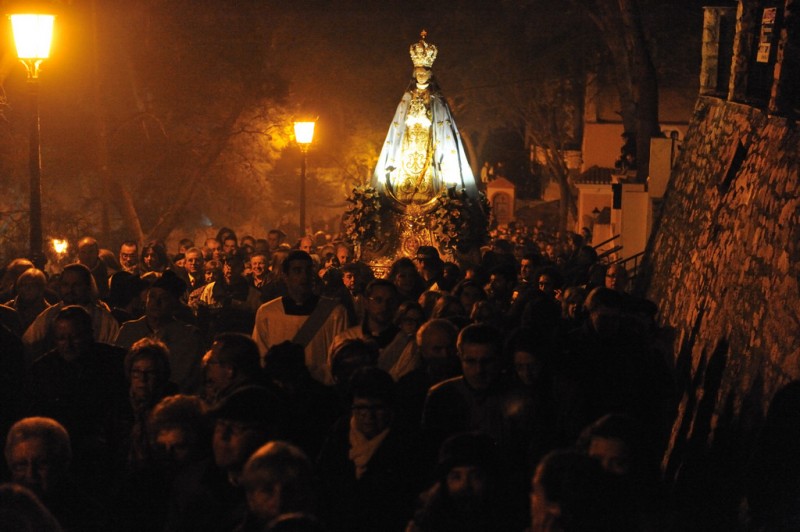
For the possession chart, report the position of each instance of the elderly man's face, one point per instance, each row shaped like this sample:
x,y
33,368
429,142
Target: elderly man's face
x,y
193,263
128,257
343,254
32,467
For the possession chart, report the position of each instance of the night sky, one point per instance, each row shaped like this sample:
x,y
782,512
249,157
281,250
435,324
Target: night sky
x,y
344,61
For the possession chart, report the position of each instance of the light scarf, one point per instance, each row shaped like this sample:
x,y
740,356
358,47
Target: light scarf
x,y
362,449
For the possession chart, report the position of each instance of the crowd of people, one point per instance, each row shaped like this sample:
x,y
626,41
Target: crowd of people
x,y
248,384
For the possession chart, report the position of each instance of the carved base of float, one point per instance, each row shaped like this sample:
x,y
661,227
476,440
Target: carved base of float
x,y
406,227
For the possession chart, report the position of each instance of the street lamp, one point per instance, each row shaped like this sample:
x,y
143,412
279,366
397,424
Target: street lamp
x,y
33,33
303,134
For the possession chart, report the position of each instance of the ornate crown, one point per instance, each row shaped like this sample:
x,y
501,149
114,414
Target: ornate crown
x,y
422,53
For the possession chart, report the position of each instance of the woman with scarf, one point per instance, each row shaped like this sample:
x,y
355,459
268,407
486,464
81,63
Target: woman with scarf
x,y
369,466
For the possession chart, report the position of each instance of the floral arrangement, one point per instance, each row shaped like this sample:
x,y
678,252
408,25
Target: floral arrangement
x,y
458,222
362,219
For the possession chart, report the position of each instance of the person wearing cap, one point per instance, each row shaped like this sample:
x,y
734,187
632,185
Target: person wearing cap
x,y
184,341
430,266
243,422
301,316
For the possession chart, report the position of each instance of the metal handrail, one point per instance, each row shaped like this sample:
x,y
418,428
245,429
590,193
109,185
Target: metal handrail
x,y
605,241
609,252
634,271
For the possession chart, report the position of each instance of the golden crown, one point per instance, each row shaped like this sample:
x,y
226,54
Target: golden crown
x,y
422,53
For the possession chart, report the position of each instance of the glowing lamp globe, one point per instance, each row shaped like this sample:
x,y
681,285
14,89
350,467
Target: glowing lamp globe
x,y
304,133
33,34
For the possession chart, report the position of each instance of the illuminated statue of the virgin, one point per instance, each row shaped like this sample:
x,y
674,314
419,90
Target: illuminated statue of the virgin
x,y
423,153
422,181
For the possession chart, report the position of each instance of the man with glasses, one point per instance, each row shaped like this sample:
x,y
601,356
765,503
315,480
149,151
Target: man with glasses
x,y
129,257
369,465
193,264
478,398
232,362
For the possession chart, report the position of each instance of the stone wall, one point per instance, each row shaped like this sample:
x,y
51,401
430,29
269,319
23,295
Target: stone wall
x,y
723,264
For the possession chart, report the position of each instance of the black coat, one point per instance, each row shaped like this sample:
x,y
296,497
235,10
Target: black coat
x,y
383,498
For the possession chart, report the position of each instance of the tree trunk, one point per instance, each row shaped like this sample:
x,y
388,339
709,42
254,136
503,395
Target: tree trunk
x,y
195,171
620,24
127,210
645,86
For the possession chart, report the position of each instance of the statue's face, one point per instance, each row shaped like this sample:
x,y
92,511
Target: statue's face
x,y
422,75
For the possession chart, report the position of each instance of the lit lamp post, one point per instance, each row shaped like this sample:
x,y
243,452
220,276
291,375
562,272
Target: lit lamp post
x,y
32,36
304,134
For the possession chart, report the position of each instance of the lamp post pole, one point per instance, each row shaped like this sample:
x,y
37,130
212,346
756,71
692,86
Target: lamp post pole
x,y
35,168
303,163
33,33
304,134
